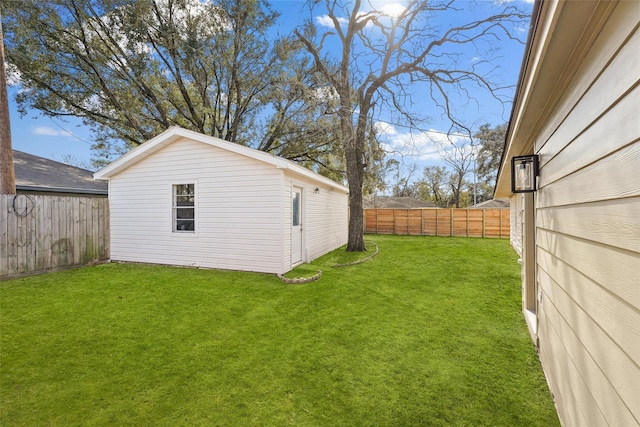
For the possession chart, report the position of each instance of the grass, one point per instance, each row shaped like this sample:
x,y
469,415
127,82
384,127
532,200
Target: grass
x,y
427,333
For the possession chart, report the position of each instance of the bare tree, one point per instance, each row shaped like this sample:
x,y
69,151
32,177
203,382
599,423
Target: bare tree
x,y
460,157
388,57
433,185
402,184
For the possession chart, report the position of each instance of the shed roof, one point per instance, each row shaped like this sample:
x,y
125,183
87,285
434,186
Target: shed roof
x,y
34,173
175,133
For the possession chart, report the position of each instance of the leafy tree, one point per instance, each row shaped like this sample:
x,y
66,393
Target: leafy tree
x,y
131,69
433,186
490,153
384,57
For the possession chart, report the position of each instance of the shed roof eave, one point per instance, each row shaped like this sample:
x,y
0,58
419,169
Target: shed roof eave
x,y
175,132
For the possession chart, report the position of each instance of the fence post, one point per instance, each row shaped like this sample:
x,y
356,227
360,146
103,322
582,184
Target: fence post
x,y
57,231
484,223
394,222
467,214
376,220
408,222
452,213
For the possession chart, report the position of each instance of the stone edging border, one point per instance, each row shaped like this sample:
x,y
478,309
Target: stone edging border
x,y
360,261
301,280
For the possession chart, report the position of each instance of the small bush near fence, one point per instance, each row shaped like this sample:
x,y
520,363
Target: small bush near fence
x,y
45,232
438,222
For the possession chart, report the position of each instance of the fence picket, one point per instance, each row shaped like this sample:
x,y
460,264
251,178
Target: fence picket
x,y
58,231
462,222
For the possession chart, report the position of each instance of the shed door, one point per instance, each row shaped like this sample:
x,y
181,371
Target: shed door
x,y
296,225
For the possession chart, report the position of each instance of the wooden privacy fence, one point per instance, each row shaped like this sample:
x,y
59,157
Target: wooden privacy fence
x,y
438,222
45,232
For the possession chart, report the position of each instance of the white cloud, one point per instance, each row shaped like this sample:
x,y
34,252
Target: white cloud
x,y
385,129
426,145
48,131
14,77
326,21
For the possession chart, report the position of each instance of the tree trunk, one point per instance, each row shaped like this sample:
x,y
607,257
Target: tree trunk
x,y
7,174
355,178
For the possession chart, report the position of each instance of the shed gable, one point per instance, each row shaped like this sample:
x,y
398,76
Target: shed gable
x,y
238,209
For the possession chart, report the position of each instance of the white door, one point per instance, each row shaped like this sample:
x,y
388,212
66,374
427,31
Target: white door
x,y
296,225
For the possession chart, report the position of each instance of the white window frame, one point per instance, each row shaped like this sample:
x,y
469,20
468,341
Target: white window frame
x,y
174,208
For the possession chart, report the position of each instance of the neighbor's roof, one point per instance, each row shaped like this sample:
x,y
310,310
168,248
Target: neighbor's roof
x,y
493,203
34,173
386,202
175,133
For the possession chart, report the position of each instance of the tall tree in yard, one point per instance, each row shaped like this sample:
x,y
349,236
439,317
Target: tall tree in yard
x,y
131,69
491,146
7,175
387,58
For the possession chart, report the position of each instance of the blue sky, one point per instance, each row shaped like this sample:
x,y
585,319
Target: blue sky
x,y
55,138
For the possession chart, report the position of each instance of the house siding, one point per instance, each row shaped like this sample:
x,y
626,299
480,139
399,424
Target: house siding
x,y
238,208
326,221
516,222
587,229
325,218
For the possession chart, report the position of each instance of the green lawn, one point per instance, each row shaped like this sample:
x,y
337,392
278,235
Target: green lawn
x,y
428,332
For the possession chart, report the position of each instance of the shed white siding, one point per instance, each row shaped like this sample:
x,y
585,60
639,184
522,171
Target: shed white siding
x,y
325,219
238,210
587,209
243,212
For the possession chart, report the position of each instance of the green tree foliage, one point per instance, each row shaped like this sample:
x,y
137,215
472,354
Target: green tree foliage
x,y
490,153
131,69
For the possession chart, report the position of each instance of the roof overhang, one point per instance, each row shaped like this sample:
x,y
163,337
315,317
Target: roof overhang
x,y
40,189
175,133
561,33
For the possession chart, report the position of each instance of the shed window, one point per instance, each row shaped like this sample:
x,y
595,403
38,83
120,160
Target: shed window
x,y
184,208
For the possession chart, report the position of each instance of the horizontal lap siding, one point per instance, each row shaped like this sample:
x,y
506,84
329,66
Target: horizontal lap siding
x,y
588,234
325,219
238,210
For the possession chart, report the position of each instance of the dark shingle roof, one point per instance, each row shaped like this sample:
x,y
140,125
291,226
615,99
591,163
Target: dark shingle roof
x,y
35,173
386,202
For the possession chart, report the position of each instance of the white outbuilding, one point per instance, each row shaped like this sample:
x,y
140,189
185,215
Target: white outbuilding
x,y
184,198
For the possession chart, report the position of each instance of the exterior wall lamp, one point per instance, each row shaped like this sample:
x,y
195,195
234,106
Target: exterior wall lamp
x,y
524,174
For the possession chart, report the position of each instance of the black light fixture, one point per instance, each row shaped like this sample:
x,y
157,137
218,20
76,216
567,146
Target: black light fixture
x,y
524,174
316,190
